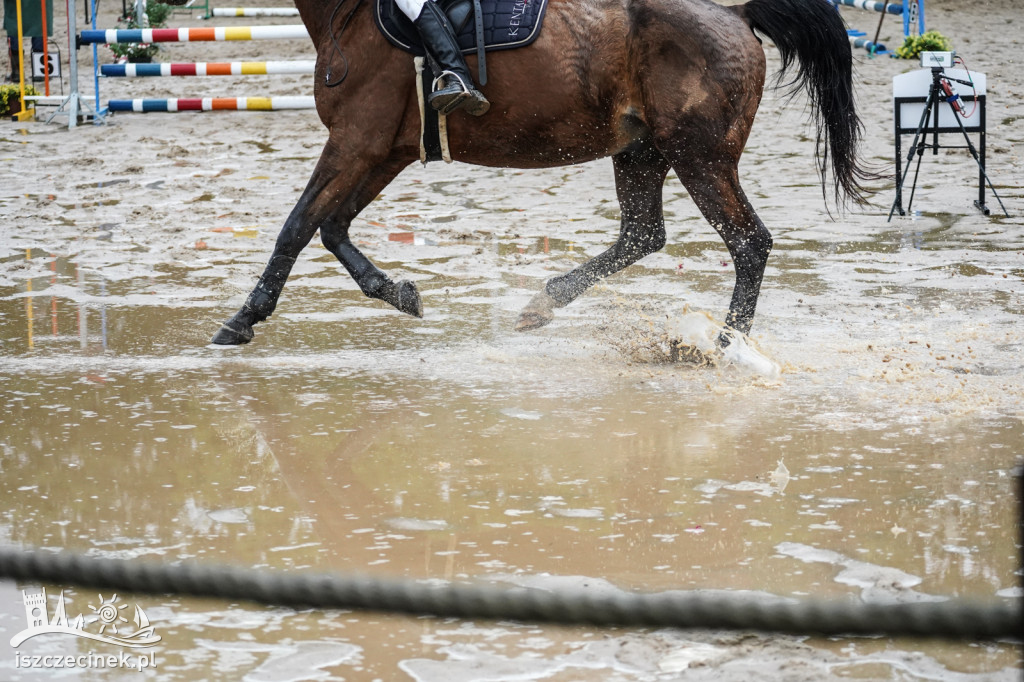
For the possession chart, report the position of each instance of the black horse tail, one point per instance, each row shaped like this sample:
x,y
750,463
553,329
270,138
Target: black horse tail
x,y
811,33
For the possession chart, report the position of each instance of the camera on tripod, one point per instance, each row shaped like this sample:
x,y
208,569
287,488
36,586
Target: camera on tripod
x,y
937,62
934,99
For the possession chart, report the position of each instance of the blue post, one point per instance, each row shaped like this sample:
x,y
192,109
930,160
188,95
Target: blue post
x,y
913,13
95,69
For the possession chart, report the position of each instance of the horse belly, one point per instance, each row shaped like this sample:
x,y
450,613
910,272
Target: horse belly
x,y
534,141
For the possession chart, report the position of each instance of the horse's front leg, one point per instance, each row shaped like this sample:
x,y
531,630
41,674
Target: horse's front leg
x,y
639,175
341,186
294,236
371,280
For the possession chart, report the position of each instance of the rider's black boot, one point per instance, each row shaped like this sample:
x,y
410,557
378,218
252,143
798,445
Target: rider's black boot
x,y
439,41
15,56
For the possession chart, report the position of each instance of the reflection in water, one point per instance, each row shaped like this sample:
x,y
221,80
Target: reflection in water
x,y
62,272
411,476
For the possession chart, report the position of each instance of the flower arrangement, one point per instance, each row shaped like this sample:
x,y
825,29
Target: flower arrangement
x,y
133,53
10,98
929,41
156,17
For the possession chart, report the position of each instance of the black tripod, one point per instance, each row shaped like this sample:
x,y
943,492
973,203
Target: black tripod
x,y
937,95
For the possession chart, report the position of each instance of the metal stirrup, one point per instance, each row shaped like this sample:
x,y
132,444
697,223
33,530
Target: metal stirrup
x,y
433,85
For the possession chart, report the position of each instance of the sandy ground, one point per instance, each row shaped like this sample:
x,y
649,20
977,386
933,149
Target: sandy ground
x,y
141,196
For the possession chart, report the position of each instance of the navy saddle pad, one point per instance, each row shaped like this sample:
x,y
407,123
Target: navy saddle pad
x,y
507,23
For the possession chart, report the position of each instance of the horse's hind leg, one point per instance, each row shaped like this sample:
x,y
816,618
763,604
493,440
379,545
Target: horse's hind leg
x,y
714,186
340,187
639,176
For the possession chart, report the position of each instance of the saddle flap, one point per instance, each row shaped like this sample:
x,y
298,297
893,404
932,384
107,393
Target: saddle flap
x,y
506,23
459,12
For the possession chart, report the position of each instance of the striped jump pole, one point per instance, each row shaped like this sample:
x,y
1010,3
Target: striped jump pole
x,y
208,69
192,35
213,104
895,7
255,12
867,44
912,11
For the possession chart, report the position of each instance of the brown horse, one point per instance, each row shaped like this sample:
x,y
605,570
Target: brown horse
x,y
655,84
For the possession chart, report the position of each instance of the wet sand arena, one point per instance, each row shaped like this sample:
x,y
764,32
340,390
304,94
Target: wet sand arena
x,y
348,437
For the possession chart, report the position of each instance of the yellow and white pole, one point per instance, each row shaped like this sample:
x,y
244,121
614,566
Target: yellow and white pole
x,y
24,113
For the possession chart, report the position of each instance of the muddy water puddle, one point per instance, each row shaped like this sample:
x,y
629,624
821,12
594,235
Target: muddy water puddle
x,y
350,438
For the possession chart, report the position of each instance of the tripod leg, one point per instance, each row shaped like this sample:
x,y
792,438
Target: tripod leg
x,y
913,185
981,167
897,204
929,103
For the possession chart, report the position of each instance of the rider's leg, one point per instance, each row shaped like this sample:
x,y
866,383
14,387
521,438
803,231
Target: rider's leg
x,y
440,43
15,55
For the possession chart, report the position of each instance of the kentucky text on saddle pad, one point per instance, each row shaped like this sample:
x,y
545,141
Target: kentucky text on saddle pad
x,y
507,24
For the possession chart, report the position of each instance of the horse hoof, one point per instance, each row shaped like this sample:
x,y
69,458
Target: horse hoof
x,y
683,353
725,338
529,321
233,334
537,313
409,299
